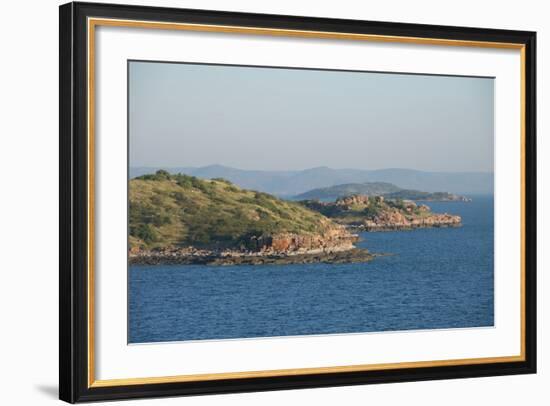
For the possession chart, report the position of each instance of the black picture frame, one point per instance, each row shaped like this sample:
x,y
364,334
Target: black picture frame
x,y
74,199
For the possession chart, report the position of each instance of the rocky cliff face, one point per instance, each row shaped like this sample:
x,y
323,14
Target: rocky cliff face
x,y
333,240
349,201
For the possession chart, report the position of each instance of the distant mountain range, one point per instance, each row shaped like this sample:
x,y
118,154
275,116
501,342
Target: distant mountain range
x,y
292,183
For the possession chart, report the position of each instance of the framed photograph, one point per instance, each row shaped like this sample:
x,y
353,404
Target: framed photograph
x,y
256,202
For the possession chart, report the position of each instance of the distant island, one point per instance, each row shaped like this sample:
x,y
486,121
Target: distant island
x,y
385,189
181,219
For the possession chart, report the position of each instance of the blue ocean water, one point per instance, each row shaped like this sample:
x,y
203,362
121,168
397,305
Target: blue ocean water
x,y
435,278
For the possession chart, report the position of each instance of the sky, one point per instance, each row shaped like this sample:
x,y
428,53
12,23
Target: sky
x,y
186,115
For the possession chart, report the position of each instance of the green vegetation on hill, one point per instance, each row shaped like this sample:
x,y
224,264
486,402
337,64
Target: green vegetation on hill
x,y
388,190
179,210
349,189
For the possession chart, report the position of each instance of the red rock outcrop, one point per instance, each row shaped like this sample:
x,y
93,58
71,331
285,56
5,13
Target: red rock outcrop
x,y
351,200
395,220
334,239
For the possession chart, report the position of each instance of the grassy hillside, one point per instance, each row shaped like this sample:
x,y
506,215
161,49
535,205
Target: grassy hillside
x,y
180,210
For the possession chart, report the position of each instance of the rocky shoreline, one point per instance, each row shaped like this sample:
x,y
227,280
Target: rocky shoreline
x,y
334,245
191,256
401,223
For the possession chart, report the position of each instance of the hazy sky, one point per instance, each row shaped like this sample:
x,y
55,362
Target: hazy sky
x,y
282,119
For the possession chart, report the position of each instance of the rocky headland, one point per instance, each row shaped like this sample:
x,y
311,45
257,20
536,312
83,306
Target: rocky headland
x,y
177,219
364,213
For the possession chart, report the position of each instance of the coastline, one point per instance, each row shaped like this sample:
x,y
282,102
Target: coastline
x,y
225,258
289,249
